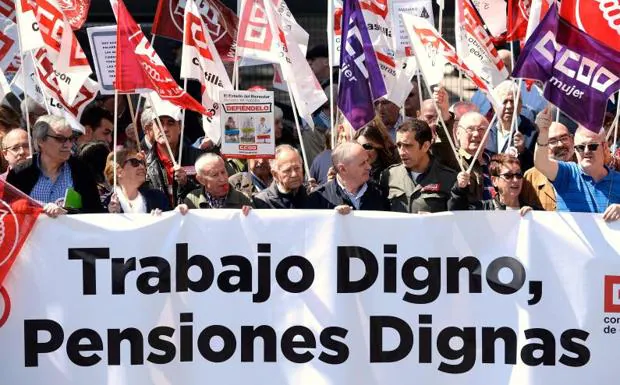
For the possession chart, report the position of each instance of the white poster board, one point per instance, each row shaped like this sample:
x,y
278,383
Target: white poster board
x,y
103,47
419,8
247,124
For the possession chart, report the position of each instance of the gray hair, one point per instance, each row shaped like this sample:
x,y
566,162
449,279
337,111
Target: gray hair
x,y
342,153
147,118
503,89
277,113
204,159
273,163
42,126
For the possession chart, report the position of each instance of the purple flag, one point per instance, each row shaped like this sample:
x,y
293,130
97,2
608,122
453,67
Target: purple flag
x,y
580,80
361,82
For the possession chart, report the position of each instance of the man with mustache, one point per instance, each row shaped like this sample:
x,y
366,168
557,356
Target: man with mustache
x,y
588,186
537,189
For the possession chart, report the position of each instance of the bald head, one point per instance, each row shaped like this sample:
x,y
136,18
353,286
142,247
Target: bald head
x,y
287,168
470,131
591,149
15,146
428,113
350,161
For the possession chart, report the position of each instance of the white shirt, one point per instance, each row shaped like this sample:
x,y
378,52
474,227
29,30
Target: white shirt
x,y
131,206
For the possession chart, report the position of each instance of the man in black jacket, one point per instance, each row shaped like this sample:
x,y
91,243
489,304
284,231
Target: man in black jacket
x,y
50,174
176,180
287,190
350,189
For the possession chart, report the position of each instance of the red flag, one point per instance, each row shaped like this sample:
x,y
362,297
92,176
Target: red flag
x,y
518,16
220,20
139,67
75,11
18,214
599,19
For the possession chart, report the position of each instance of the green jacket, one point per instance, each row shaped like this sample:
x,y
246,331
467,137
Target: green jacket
x,y
196,199
429,194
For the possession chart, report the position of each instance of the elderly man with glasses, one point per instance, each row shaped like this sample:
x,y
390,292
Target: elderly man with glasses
x,y
586,186
52,172
15,148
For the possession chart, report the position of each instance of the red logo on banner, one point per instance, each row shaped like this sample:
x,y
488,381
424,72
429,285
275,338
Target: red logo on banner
x,y
598,18
612,294
196,38
219,20
378,7
75,11
254,30
7,9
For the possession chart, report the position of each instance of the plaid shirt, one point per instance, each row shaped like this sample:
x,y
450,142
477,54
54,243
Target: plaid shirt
x,y
46,191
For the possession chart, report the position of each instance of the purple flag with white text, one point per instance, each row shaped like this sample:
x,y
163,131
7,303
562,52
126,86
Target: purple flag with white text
x,y
361,82
579,80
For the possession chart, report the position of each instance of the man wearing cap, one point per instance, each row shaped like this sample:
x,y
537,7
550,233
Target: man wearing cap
x,y
163,173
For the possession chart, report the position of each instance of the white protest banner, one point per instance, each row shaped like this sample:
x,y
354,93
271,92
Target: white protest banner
x,y
103,47
420,8
493,13
247,124
313,297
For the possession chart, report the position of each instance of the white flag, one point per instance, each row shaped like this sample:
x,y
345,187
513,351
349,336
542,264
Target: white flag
x,y
475,46
63,49
201,61
28,26
4,86
262,36
407,68
430,60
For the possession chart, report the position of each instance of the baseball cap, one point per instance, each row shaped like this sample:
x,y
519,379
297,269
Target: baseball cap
x,y
320,50
163,107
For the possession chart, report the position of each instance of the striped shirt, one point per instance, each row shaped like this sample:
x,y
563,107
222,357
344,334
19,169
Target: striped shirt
x,y
578,192
46,191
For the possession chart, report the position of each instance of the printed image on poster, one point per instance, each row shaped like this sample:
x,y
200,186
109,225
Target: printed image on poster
x,y
247,124
419,8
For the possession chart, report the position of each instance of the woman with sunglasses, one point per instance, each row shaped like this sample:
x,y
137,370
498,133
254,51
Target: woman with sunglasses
x,y
379,147
507,179
129,196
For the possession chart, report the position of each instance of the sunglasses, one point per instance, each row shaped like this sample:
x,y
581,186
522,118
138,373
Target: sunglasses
x,y
368,146
135,162
62,139
510,175
590,146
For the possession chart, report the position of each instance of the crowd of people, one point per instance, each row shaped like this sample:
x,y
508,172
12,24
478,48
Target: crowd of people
x,y
427,157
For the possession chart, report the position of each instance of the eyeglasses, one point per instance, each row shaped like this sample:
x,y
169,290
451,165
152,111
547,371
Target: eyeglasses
x,y
555,141
590,146
135,162
368,146
15,149
62,139
510,175
471,130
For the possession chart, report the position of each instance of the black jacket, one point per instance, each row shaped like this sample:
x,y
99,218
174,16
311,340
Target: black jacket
x,y
25,176
272,198
156,173
330,195
154,199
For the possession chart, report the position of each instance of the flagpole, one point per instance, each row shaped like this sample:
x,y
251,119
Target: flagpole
x,y
115,138
481,146
134,121
301,139
513,122
182,125
557,114
330,53
441,6
420,97
160,127
25,75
